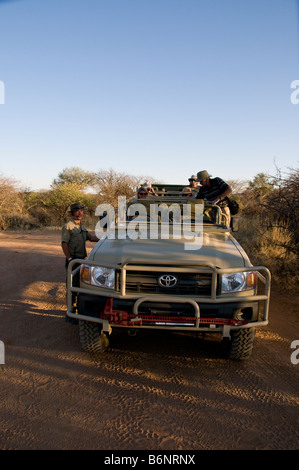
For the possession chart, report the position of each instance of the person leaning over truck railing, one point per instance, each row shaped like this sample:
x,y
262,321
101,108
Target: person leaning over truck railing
x,y
214,190
73,240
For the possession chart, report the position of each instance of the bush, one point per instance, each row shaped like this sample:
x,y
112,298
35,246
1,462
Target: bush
x,y
18,222
269,228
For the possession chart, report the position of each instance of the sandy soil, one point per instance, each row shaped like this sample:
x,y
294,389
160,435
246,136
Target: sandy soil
x,y
174,392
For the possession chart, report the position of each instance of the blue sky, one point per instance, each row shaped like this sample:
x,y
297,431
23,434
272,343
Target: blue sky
x,y
160,88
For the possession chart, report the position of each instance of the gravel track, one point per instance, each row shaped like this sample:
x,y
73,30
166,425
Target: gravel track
x,y
162,392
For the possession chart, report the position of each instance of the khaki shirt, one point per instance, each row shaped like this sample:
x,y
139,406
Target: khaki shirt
x,y
75,235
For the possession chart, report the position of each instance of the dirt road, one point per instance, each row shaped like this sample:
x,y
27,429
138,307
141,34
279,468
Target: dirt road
x,y
172,393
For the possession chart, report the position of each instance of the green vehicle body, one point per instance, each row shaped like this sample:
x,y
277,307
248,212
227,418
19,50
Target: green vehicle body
x,y
164,282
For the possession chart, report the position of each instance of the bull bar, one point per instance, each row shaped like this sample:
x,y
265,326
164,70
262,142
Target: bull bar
x,y
216,325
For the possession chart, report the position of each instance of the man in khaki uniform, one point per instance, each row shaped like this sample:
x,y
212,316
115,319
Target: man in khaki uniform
x,y
74,235
73,240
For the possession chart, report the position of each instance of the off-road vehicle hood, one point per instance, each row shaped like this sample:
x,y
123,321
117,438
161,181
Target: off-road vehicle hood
x,y
218,247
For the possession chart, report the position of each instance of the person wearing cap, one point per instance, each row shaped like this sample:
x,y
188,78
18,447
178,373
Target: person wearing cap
x,y
191,188
214,190
74,235
73,240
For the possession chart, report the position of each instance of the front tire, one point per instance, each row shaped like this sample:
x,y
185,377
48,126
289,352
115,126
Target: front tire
x,y
92,339
241,343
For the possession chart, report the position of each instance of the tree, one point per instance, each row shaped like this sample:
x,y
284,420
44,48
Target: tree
x,y
74,175
261,185
62,196
238,186
253,197
111,184
11,202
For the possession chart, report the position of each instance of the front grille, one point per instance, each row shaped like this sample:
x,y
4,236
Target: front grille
x,y
146,282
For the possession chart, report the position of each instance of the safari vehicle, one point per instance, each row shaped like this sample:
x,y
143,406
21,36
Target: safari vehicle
x,y
145,277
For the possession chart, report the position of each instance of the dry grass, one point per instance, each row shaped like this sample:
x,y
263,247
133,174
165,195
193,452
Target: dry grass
x,y
269,246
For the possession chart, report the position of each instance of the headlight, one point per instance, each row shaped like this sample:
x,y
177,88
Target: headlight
x,y
98,276
102,277
236,282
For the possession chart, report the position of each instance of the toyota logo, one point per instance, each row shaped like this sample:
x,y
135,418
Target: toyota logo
x,y
168,280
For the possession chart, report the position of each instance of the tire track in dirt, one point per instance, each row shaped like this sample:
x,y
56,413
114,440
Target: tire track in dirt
x,y
45,298
165,388
157,389
215,387
153,391
130,393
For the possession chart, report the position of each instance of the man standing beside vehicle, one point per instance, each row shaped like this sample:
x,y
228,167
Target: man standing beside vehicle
x,y
73,240
215,191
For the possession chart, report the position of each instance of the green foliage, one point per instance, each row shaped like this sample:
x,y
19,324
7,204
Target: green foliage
x,y
74,175
51,207
261,185
62,196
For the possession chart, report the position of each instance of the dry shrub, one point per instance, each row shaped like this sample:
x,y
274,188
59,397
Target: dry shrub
x,y
11,201
275,242
268,245
111,184
41,216
269,227
18,222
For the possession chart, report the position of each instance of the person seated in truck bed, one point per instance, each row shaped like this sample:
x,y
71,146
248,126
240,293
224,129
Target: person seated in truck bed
x,y
149,188
192,188
186,192
142,193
